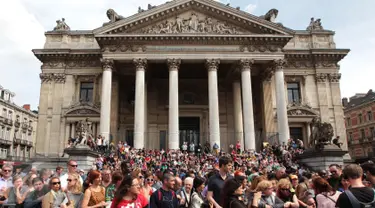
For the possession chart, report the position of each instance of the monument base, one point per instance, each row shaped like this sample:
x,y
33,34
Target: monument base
x,y
84,156
322,159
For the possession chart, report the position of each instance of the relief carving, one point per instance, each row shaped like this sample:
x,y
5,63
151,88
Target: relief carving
x,y
53,64
321,77
124,48
326,64
334,77
293,63
299,112
49,77
260,48
82,63
192,24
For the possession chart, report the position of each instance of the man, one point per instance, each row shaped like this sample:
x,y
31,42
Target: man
x,y
165,196
6,181
19,173
358,195
34,199
178,190
72,168
369,170
59,171
281,173
106,178
216,182
186,190
335,179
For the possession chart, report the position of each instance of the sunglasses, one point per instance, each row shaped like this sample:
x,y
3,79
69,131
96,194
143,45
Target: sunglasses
x,y
55,183
150,179
74,166
7,171
140,177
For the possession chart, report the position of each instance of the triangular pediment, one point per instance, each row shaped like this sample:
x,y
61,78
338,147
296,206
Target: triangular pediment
x,y
192,16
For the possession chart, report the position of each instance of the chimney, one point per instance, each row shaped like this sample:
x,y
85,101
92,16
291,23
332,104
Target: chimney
x,y
26,107
345,102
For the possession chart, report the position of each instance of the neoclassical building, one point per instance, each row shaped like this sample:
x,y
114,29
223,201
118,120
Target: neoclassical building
x,y
188,71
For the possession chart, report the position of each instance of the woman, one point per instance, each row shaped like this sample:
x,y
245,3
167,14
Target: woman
x,y
111,189
129,194
28,182
284,193
231,194
304,197
345,184
55,197
196,198
74,192
147,189
95,194
265,197
325,195
16,195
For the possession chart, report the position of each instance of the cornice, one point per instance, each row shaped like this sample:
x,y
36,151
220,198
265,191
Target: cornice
x,y
207,6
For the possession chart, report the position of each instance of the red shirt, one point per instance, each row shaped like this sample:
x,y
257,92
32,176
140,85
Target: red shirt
x,y
139,202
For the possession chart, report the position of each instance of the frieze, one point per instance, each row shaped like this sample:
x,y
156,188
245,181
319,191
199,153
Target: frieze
x,y
260,48
124,48
326,64
82,112
300,112
195,23
49,77
79,63
293,63
53,64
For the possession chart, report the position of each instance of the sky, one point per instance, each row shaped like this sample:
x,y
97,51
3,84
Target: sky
x,y
23,23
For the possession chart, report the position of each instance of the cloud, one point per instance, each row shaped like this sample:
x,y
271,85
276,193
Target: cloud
x,y
250,8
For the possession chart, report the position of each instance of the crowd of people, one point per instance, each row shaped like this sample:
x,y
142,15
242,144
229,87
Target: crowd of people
x,y
191,178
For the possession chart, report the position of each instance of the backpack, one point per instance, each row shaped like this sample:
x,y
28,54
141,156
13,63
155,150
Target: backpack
x,y
357,204
160,195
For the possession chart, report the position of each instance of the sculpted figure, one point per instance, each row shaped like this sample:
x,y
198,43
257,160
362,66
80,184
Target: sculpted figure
x,y
315,24
271,15
321,135
149,6
193,23
179,24
140,10
61,25
113,16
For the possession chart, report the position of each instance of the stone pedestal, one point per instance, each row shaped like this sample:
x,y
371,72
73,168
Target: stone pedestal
x,y
322,159
84,156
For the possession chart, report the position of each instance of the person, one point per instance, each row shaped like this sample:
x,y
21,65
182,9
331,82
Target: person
x,y
59,171
106,180
334,180
165,196
283,192
129,194
264,196
196,197
369,170
326,197
6,180
231,194
15,195
72,168
358,194
147,189
34,198
55,196
111,189
28,182
216,182
304,197
95,194
73,192
186,191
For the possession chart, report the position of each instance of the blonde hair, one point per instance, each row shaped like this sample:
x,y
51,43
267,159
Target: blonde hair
x,y
283,182
78,187
301,191
256,180
263,185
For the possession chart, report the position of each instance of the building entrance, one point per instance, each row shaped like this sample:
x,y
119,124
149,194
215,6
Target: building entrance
x,y
189,130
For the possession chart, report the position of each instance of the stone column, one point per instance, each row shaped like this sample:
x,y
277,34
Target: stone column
x,y
213,101
308,132
139,109
247,103
72,133
282,118
173,125
238,122
105,107
66,139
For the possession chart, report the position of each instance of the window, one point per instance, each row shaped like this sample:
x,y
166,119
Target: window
x,y
1,133
349,121
350,136
363,135
2,95
10,115
5,112
369,116
360,118
86,92
294,95
372,131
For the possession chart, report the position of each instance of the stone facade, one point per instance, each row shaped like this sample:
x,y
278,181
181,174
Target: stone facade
x,y
360,125
17,129
188,70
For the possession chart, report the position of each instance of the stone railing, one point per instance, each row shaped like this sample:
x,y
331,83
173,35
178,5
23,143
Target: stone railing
x,y
29,143
5,142
23,141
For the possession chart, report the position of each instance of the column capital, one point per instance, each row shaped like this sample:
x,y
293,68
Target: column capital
x,y
173,64
212,64
334,77
140,64
107,64
278,64
246,64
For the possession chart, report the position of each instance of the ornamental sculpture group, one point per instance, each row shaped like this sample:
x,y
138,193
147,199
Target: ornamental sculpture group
x,y
322,135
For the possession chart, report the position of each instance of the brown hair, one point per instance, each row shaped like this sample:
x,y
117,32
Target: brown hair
x,y
321,185
116,177
256,180
352,171
94,174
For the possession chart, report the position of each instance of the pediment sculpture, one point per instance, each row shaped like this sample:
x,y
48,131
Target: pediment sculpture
x,y
315,24
300,109
83,109
61,25
300,112
113,16
192,24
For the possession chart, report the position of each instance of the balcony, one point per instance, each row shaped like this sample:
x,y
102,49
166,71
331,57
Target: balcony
x,y
8,122
23,141
29,144
24,126
30,128
17,141
5,142
17,124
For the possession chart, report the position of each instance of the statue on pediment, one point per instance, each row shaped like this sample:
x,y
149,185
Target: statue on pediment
x,y
113,16
61,25
315,24
271,15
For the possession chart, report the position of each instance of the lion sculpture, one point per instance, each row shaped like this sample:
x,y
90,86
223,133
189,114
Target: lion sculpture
x,y
113,16
321,135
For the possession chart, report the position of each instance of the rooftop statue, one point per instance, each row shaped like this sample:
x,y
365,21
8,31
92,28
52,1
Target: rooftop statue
x,y
315,25
271,15
61,25
113,16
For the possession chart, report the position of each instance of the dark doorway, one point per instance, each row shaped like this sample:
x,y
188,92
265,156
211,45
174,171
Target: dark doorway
x,y
296,133
189,130
130,137
163,139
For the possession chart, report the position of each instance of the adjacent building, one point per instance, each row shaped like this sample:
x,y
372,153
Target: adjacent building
x,y
360,125
17,129
191,71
